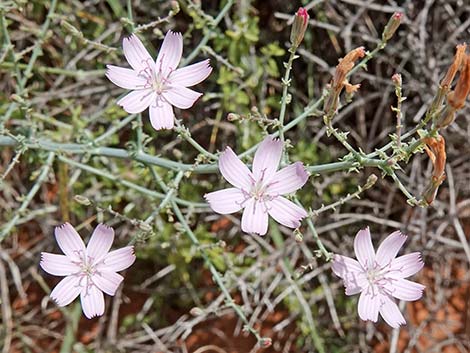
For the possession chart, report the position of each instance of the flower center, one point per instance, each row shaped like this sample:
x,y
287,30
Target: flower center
x,y
88,268
156,80
258,191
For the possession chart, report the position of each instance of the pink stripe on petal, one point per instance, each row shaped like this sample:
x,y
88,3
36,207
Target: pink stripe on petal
x,y
389,248
118,260
57,265
255,218
181,97
391,313
267,158
66,290
225,201
170,53
405,290
92,300
137,101
354,283
125,78
286,212
288,179
363,248
368,306
69,240
108,281
234,171
136,54
342,265
191,75
100,242
406,265
161,115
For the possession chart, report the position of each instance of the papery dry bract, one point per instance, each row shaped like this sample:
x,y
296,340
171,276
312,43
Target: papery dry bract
x,y
380,277
157,85
89,271
259,192
435,147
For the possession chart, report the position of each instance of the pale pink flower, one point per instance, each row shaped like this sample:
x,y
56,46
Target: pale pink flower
x,y
260,192
380,277
88,271
157,85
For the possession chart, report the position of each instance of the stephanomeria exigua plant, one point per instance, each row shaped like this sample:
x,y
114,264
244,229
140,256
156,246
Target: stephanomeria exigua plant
x,y
260,192
157,85
89,271
380,277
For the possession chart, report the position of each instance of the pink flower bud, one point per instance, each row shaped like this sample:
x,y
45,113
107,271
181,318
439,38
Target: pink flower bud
x,y
265,342
392,26
396,79
299,26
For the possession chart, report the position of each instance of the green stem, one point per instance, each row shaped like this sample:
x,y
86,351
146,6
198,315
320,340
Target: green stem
x,y
285,88
215,274
131,185
208,34
80,74
29,197
71,329
186,135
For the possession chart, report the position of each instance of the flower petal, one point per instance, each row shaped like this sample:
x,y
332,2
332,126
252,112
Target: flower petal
x,y
405,290
368,306
136,54
255,218
286,212
69,240
118,260
363,248
161,115
92,302
181,97
125,78
108,281
137,101
170,53
391,313
267,158
406,265
57,265
288,179
351,272
389,248
226,201
66,290
191,75
100,242
234,171
343,265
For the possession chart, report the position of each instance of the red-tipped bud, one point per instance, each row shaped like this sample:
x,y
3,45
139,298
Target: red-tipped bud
x,y
392,26
299,26
396,79
265,342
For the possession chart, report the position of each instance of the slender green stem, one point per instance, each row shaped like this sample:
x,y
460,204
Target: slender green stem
x,y
71,329
208,34
316,237
186,135
131,185
215,274
80,74
115,128
285,88
411,199
5,230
